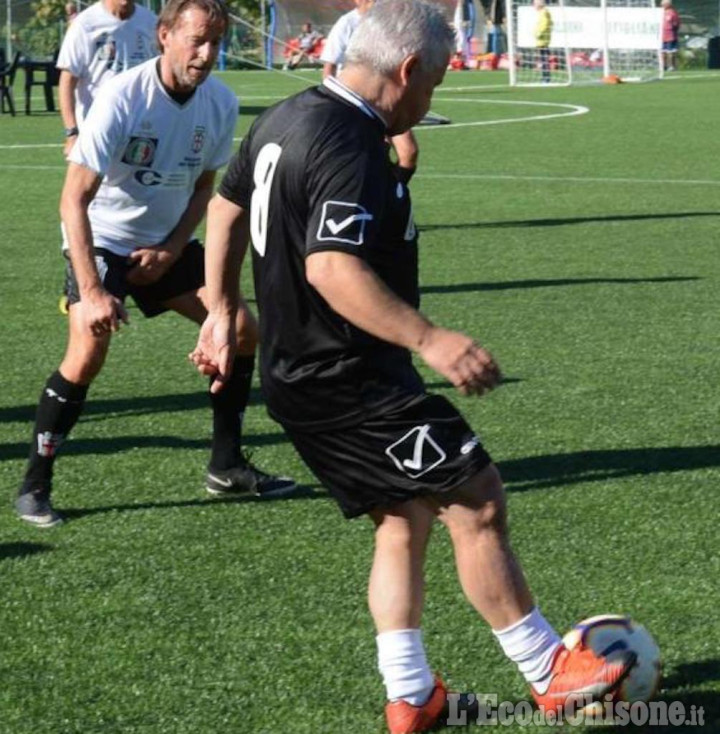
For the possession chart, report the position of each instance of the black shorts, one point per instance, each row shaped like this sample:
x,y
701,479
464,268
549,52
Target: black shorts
x,y
185,275
420,447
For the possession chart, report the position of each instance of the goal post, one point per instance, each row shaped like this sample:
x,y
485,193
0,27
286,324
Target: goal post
x,y
587,40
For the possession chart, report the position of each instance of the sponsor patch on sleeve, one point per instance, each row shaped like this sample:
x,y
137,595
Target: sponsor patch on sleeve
x,y
343,222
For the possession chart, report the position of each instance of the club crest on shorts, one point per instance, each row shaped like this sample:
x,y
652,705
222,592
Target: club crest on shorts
x,y
416,453
343,222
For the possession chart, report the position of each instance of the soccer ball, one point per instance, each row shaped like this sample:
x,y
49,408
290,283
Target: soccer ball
x,y
610,633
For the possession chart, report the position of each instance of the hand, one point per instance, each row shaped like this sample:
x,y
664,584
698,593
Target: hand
x,y
457,357
102,312
215,350
149,264
69,142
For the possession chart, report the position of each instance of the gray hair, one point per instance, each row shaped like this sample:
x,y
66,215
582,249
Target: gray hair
x,y
393,29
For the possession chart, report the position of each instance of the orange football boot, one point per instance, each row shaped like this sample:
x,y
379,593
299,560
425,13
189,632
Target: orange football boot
x,y
404,718
579,676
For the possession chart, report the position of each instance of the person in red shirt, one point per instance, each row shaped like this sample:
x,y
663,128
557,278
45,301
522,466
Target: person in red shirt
x,y
671,27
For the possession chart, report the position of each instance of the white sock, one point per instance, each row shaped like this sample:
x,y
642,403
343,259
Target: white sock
x,y
531,643
404,667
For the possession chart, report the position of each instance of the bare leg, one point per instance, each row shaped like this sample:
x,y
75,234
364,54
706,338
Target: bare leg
x,y
85,354
476,517
396,587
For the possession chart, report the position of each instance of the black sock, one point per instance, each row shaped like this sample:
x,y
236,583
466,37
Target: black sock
x,y
404,174
228,409
60,406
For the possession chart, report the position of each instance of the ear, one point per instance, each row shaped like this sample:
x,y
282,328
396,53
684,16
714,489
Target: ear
x,y
408,67
162,33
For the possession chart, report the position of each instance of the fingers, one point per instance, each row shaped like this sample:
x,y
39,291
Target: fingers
x,y
224,362
477,371
217,384
122,312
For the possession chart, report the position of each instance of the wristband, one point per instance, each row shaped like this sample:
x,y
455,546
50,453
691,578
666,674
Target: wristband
x,y
71,132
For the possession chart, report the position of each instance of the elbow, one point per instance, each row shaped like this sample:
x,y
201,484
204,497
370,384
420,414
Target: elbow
x,y
70,204
333,273
318,271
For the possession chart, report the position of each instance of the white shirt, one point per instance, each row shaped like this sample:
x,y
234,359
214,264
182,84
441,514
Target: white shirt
x,y
150,151
98,46
339,38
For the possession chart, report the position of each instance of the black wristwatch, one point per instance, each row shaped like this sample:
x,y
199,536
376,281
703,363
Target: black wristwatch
x,y
71,132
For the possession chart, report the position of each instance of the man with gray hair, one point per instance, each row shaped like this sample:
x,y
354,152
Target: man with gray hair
x,y
336,279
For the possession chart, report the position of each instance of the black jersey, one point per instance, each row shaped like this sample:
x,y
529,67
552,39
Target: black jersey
x,y
315,174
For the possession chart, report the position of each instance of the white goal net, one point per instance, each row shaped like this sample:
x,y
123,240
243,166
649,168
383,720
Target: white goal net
x,y
582,41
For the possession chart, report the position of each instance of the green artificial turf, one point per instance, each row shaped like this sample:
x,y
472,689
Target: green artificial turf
x,y
581,250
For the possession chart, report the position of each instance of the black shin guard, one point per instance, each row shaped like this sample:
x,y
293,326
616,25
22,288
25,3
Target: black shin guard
x,y
228,408
60,406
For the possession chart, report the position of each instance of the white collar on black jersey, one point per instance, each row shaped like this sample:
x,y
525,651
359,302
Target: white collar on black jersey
x,y
336,86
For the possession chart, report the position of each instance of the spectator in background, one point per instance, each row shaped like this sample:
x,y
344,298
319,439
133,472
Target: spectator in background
x,y
461,23
306,42
333,55
671,28
543,34
105,39
71,12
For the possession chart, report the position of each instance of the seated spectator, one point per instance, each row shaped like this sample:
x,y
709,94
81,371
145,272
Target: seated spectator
x,y
305,46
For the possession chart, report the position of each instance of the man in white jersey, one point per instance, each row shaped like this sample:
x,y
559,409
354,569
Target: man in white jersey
x,y
107,38
333,55
139,179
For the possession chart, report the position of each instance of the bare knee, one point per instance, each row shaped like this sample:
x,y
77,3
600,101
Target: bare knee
x,y
81,369
407,528
479,506
392,530
83,361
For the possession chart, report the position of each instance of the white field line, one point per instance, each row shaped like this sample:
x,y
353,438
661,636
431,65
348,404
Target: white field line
x,y
488,177
25,146
570,179
569,110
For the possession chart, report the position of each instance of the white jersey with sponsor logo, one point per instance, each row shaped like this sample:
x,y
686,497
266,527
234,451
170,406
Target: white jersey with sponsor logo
x,y
339,38
150,151
98,46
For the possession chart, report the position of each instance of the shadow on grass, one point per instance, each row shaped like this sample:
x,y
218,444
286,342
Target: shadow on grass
x,y
446,385
20,550
564,221
304,493
547,283
688,674
118,444
126,407
700,708
108,408
251,110
558,470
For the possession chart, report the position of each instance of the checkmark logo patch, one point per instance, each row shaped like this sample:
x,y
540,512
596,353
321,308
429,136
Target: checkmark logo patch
x,y
342,221
416,453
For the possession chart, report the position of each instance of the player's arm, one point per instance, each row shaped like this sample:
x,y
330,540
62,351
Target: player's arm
x,y
66,96
226,241
101,310
353,290
151,263
329,69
